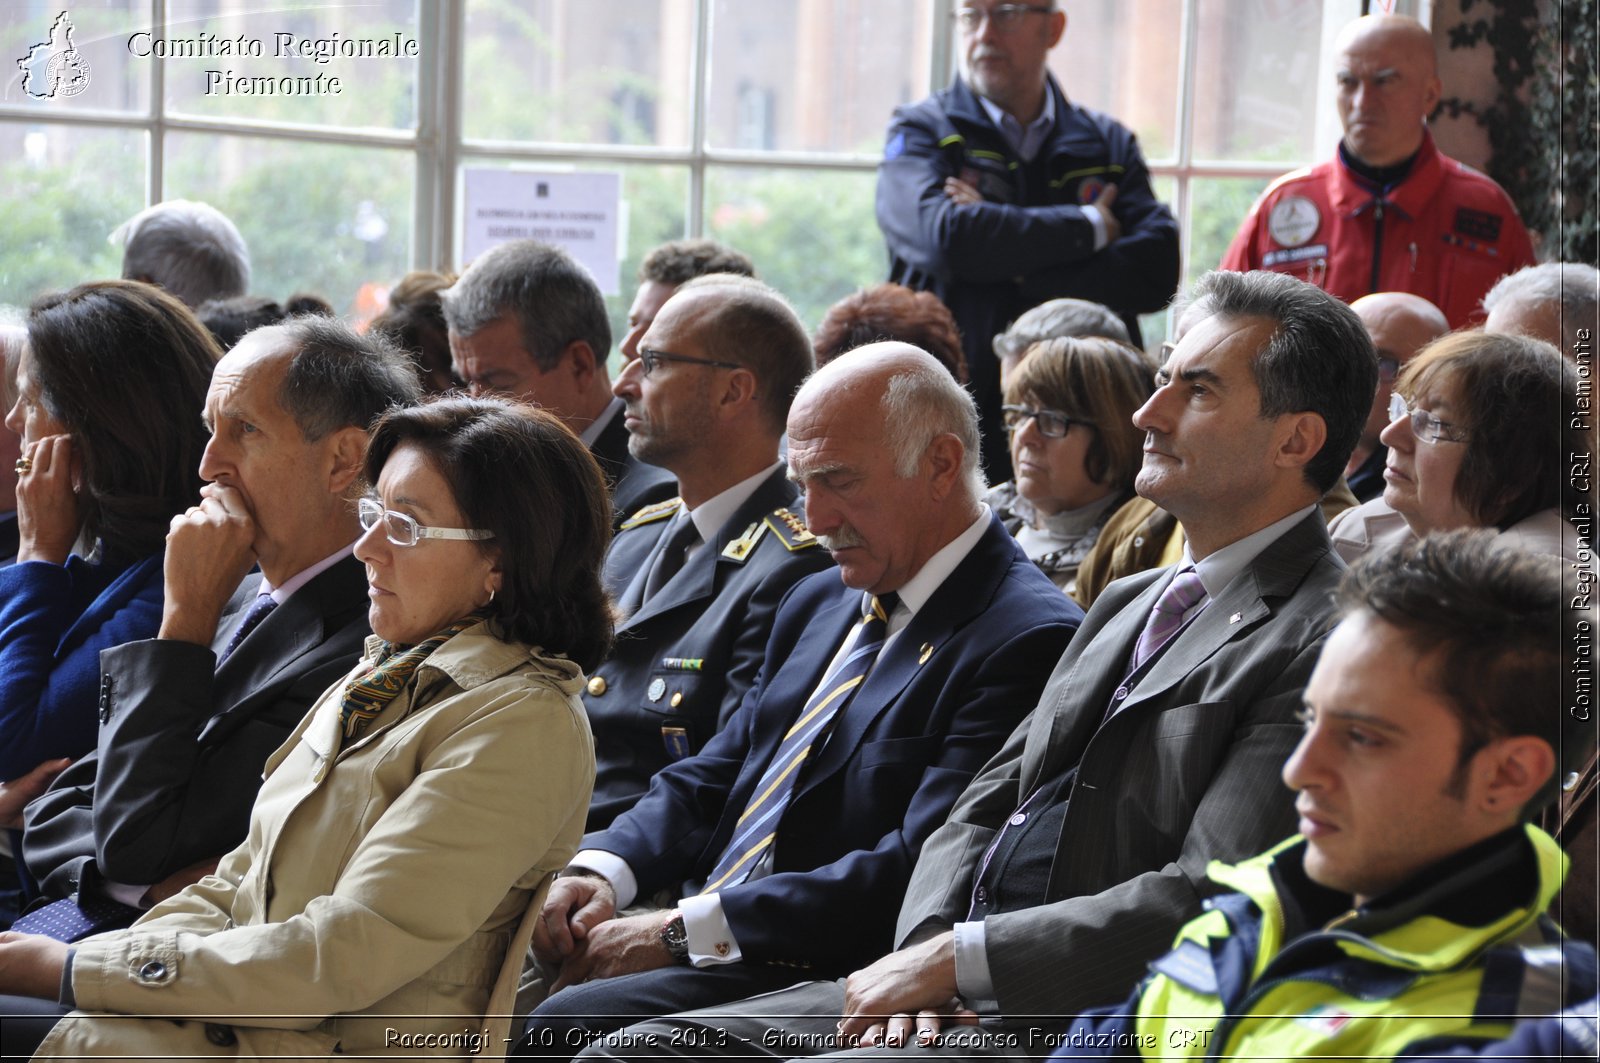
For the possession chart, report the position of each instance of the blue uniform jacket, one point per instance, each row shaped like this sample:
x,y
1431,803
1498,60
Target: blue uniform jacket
x,y
54,621
1027,242
682,663
936,706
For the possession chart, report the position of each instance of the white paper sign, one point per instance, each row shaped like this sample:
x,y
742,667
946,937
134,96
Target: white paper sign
x,y
577,211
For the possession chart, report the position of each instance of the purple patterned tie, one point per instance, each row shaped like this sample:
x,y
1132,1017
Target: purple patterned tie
x,y
263,605
1181,595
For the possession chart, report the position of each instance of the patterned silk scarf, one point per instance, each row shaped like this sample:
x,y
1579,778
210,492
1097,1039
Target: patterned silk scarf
x,y
367,695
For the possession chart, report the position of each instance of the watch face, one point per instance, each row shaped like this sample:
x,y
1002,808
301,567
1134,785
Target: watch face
x,y
675,936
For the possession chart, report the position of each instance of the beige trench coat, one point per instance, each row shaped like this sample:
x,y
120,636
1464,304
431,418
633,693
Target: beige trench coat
x,y
370,908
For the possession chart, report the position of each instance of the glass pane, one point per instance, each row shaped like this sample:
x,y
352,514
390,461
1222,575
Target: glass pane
x,y
318,218
570,72
304,61
1153,327
814,75
1216,207
66,189
1256,96
75,60
654,200
1121,57
811,233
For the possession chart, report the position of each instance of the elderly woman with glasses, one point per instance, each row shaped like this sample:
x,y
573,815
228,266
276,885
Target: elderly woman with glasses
x,y
399,843
1479,434
1069,414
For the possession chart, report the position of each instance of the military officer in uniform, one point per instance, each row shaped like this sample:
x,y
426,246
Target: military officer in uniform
x,y
697,578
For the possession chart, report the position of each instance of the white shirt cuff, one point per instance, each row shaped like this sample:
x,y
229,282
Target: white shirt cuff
x,y
711,940
614,869
973,981
1093,217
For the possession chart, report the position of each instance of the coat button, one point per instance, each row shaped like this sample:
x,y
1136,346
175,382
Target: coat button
x,y
1019,819
677,699
221,1036
982,895
153,971
597,685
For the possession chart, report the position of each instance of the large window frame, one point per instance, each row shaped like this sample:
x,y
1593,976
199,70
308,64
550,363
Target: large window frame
x,y
440,151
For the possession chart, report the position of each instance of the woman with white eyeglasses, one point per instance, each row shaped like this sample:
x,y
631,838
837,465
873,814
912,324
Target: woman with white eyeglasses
x,y
1480,435
1069,415
407,826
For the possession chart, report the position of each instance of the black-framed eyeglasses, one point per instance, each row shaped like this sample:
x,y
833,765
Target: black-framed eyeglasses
x,y
649,358
1002,16
1053,424
1424,425
402,530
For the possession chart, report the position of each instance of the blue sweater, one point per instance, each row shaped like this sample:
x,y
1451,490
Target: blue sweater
x,y
54,621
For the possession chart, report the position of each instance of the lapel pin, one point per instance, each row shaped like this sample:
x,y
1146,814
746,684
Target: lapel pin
x,y
1235,618
927,651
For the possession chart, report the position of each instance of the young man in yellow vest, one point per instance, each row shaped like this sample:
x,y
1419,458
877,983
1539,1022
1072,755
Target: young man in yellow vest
x,y
1405,918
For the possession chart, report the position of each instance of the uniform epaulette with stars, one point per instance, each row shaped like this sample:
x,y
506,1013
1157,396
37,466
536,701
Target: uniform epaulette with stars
x,y
652,513
789,529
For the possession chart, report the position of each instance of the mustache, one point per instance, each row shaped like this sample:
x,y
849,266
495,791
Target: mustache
x,y
842,539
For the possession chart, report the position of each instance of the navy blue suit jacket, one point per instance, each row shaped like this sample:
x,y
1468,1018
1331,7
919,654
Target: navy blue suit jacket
x,y
939,702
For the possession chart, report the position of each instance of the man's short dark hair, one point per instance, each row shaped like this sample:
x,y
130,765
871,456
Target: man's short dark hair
x,y
229,320
553,297
339,378
1319,358
1490,619
683,260
752,325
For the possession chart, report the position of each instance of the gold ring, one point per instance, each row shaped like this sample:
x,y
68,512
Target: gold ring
x,y
24,464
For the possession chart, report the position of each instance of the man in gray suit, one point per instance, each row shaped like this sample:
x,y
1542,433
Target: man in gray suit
x,y
1080,850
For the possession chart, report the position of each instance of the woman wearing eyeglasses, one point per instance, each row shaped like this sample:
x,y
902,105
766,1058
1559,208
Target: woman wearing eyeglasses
x,y
1069,414
1478,437
407,824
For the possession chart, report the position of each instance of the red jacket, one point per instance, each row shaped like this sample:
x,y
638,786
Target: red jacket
x,y
1446,233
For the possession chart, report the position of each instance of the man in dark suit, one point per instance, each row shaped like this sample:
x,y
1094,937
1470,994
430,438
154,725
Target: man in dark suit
x,y
1080,850
189,717
526,320
788,840
699,577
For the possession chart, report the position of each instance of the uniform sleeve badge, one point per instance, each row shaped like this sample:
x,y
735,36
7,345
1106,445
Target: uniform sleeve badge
x,y
1293,221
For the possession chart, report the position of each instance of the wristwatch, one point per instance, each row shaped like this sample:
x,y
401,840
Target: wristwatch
x,y
675,936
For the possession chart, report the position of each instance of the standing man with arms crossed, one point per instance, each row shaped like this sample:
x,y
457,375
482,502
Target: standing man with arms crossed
x,y
998,194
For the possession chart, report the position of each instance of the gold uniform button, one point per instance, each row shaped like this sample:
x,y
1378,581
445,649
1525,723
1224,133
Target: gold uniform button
x,y
597,685
677,699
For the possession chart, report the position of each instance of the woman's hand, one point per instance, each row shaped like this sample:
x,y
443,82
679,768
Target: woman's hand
x,y
49,514
31,965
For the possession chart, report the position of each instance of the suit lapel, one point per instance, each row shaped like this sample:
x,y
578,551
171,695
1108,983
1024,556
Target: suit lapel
x,y
287,634
964,594
699,578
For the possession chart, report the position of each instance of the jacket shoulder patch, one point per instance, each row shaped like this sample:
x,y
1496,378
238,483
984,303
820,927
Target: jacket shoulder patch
x,y
790,529
651,513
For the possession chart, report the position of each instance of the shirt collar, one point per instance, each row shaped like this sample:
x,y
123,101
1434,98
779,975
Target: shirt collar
x,y
599,424
931,576
1024,140
1219,568
710,515
304,576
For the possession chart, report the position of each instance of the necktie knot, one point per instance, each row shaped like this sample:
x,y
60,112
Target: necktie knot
x,y
1182,594
879,606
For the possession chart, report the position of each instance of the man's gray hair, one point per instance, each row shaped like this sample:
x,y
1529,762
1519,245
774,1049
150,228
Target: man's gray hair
x,y
924,401
555,300
1060,319
1575,285
340,378
190,249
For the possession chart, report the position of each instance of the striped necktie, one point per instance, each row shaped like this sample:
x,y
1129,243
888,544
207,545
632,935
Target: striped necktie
x,y
758,826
